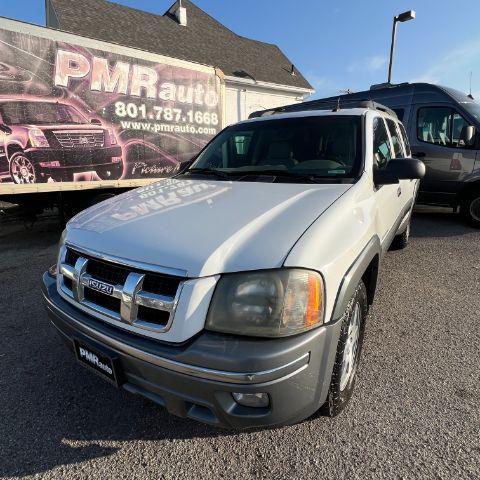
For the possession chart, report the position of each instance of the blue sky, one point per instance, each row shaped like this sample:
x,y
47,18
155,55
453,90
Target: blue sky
x,y
344,43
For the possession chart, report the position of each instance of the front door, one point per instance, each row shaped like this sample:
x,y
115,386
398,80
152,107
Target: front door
x,y
388,196
436,142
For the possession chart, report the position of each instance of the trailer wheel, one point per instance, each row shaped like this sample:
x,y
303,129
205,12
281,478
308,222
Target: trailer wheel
x,y
23,171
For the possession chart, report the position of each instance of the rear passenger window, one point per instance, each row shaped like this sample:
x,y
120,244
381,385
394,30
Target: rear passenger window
x,y
381,144
406,142
396,142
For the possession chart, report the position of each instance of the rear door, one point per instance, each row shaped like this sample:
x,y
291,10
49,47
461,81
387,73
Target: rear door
x,y
435,135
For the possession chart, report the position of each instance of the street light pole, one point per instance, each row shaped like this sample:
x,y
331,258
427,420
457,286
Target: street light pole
x,y
403,17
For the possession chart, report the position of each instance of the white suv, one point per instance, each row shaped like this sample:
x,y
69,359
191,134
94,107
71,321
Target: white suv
x,y
236,293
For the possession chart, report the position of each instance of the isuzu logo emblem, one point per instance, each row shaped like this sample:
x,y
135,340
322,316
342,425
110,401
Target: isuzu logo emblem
x,y
100,286
83,140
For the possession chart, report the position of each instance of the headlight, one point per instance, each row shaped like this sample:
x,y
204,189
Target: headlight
x,y
270,303
37,138
113,138
53,270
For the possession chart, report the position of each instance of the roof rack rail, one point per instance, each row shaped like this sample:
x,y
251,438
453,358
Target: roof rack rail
x,y
327,105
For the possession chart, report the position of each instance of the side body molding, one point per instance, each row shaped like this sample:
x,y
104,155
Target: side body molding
x,y
354,275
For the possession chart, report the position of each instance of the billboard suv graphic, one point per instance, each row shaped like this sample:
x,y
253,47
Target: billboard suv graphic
x,y
43,140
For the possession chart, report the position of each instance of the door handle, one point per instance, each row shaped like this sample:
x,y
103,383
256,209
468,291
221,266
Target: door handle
x,y
419,154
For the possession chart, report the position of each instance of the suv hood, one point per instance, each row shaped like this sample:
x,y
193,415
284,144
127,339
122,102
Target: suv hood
x,y
204,227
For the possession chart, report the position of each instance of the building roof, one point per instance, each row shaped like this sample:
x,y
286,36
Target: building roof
x,y
204,39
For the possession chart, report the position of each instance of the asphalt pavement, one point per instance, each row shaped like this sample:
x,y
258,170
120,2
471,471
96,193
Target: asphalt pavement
x,y
415,412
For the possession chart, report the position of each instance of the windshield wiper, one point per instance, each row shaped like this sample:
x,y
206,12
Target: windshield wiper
x,y
208,171
311,178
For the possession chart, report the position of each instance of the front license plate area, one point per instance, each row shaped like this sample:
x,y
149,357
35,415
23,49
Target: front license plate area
x,y
98,359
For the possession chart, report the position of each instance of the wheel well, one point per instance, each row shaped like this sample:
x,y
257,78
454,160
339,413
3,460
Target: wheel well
x,y
469,188
370,278
11,149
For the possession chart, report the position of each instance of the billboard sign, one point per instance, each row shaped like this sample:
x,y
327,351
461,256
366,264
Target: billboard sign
x,y
75,113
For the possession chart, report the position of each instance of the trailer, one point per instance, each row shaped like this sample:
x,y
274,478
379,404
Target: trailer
x,y
82,119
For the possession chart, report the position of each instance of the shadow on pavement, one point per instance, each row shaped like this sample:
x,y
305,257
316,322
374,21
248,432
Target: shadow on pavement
x,y
438,222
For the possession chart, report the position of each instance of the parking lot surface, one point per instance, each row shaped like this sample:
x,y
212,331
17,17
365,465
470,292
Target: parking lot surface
x,y
415,412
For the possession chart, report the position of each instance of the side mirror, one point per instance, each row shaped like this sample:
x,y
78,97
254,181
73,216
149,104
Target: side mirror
x,y
95,121
5,129
399,169
467,135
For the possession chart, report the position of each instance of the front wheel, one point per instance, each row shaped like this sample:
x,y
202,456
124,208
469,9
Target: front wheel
x,y
348,353
471,208
23,171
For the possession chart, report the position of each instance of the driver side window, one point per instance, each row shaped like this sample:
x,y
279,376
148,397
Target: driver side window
x,y
382,152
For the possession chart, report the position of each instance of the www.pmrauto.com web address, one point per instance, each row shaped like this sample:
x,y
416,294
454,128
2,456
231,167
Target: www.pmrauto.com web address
x,y
169,128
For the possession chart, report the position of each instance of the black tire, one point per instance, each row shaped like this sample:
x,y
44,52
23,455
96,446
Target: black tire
x,y
112,172
23,171
470,208
341,388
401,241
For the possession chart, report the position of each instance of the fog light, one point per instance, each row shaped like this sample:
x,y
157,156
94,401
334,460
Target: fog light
x,y
257,400
52,271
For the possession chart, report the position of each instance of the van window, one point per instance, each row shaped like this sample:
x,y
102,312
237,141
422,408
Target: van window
x,y
382,153
440,126
400,113
396,142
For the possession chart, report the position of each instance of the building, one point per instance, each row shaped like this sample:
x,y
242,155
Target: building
x,y
258,75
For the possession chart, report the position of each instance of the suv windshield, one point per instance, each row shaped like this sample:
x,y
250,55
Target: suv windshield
x,y
39,113
323,147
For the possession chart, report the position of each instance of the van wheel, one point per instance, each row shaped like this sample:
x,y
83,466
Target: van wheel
x,y
22,170
348,353
471,208
401,241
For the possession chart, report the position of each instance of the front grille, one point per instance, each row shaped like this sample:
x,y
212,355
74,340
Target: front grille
x,y
153,295
80,138
105,301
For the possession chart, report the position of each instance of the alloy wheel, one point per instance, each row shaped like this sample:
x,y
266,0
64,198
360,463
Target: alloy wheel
x,y
23,170
351,347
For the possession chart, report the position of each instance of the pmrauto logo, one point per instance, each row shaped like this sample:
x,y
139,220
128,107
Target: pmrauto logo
x,y
94,360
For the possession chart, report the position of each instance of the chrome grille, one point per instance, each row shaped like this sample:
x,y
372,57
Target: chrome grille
x,y
133,298
80,138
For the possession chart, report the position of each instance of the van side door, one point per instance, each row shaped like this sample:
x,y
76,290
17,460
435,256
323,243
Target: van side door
x,y
435,137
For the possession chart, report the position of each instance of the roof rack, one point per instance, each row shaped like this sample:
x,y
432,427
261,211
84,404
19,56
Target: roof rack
x,y
327,105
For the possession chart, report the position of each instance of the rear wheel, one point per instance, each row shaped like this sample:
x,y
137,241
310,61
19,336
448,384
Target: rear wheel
x,y
23,171
401,241
471,208
348,353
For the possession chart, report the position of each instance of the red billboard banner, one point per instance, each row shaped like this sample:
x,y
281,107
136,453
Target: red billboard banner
x,y
71,113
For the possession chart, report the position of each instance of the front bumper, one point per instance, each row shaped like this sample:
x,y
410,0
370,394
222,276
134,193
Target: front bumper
x,y
196,380
75,160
